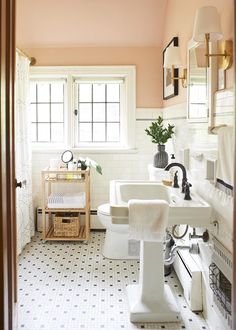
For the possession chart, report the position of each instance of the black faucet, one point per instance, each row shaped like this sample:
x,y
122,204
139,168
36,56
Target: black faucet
x,y
184,179
187,196
176,184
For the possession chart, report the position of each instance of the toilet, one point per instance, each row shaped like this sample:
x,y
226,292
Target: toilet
x,y
117,244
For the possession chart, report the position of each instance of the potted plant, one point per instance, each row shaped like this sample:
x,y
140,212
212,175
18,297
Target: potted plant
x,y
87,162
160,136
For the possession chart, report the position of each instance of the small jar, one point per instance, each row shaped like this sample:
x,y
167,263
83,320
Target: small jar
x,y
75,164
70,166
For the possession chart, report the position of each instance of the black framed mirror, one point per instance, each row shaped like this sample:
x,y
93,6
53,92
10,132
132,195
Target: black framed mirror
x,y
67,156
170,87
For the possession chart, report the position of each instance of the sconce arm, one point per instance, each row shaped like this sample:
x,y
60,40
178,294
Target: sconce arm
x,y
227,53
183,78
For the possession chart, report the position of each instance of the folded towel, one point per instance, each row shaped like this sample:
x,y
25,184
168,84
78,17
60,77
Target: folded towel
x,y
148,219
74,197
225,163
66,200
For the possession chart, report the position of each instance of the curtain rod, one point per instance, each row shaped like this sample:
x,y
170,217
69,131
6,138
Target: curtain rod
x,y
31,59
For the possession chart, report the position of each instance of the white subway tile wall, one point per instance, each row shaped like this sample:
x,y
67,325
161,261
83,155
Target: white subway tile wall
x,y
133,165
224,101
116,165
195,137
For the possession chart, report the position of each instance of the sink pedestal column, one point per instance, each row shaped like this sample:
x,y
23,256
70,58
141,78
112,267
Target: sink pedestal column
x,y
151,300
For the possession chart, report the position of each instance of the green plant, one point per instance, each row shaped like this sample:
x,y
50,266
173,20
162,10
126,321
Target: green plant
x,y
87,162
158,133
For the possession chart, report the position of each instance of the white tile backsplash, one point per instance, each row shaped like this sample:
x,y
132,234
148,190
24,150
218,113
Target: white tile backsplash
x,y
195,137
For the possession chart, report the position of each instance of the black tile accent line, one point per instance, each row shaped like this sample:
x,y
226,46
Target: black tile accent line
x,y
92,212
226,185
152,119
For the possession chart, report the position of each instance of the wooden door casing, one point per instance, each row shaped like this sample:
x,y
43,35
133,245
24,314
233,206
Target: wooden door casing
x,y
7,172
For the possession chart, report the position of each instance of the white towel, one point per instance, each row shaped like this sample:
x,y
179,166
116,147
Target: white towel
x,y
66,200
225,163
148,219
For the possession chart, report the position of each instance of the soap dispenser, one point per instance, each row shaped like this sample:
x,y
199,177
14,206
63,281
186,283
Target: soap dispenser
x,y
172,170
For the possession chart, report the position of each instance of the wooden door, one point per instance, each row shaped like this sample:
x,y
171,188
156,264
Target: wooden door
x,y
234,214
8,281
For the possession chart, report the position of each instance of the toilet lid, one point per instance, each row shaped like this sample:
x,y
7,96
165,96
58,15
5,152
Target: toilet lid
x,y
104,209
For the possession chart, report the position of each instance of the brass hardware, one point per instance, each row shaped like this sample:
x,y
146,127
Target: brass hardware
x,y
31,59
215,129
225,47
225,55
207,36
183,78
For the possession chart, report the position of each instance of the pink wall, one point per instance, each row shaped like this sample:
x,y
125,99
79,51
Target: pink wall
x,y
179,22
148,61
89,23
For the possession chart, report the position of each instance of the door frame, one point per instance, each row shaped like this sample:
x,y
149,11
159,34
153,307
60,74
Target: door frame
x,y
8,274
234,200
8,283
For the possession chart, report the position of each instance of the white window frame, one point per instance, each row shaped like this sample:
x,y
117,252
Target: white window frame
x,y
65,122
107,80
71,73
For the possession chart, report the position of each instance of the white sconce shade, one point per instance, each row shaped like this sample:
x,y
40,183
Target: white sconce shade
x,y
173,60
172,57
207,21
207,28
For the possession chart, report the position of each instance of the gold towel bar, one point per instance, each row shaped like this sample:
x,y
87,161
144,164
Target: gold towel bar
x,y
214,129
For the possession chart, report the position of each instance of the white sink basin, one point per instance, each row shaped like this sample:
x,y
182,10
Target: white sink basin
x,y
140,190
195,212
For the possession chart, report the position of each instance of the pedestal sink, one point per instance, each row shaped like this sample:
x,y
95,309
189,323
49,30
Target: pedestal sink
x,y
195,213
151,300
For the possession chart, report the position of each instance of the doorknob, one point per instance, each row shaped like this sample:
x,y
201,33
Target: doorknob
x,y
20,184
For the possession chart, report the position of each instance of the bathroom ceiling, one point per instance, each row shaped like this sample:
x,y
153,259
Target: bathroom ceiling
x,y
77,23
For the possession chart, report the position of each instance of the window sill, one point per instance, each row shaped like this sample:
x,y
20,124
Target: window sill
x,y
84,151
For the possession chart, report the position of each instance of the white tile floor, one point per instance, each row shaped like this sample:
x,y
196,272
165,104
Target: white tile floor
x,y
71,286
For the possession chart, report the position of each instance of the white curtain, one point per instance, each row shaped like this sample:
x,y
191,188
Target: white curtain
x,y
23,155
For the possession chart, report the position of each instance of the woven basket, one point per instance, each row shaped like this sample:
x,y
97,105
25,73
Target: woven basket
x,y
66,224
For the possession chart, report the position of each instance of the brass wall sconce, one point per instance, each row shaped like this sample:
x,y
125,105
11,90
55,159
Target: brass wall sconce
x,y
207,28
173,61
